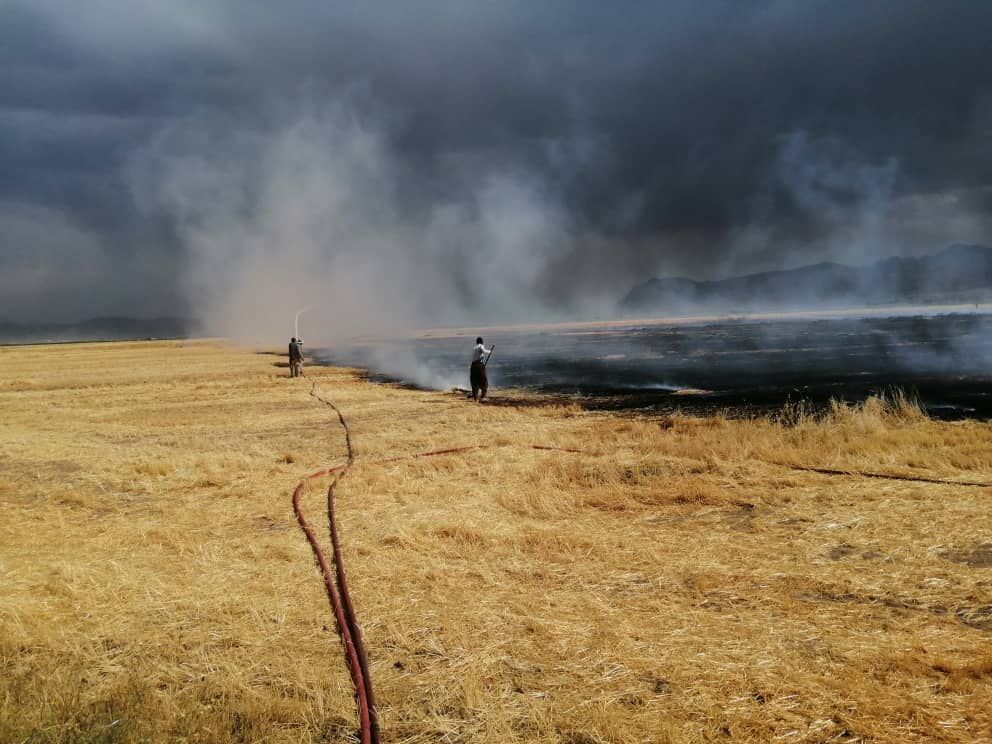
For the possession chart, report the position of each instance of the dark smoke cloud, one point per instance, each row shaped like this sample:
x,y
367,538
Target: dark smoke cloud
x,y
604,144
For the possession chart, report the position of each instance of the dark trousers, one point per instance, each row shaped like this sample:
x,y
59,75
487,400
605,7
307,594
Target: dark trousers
x,y
480,382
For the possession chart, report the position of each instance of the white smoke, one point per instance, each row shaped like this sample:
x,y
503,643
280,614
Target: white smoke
x,y
845,201
310,214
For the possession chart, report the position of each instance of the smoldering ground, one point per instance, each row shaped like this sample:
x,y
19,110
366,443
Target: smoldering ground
x,y
746,366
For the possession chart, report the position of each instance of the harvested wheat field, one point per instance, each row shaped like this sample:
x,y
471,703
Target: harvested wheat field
x,y
677,580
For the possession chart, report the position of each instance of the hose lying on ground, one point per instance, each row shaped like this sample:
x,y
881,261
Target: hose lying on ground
x,y
884,476
335,582
337,589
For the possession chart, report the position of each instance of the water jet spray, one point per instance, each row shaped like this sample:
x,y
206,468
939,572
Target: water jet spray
x,y
296,321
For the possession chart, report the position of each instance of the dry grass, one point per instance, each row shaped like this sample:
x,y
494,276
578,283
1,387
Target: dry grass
x,y
680,582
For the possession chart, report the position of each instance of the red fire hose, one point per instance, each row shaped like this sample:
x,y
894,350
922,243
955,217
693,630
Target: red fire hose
x,y
335,582
337,589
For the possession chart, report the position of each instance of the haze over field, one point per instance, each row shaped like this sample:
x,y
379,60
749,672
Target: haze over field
x,y
471,162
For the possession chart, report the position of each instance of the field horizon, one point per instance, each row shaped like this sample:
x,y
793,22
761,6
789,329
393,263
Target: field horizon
x,y
793,577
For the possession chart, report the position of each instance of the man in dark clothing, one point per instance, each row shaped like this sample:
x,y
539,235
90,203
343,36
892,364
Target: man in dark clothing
x,y
477,372
295,357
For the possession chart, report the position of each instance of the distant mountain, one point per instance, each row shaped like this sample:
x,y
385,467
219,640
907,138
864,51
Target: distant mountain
x,y
959,273
96,329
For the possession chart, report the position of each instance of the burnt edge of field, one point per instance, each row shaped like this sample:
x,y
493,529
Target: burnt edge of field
x,y
969,398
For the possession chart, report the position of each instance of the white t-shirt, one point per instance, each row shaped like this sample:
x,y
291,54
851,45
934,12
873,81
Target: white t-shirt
x,y
479,352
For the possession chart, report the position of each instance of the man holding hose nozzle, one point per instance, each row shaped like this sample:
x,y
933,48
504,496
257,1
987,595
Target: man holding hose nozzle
x,y
477,372
296,357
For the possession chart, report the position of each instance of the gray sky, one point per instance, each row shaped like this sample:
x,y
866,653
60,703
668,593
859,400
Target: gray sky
x,y
599,145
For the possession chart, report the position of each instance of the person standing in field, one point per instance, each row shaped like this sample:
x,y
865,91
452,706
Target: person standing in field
x,y
295,357
477,372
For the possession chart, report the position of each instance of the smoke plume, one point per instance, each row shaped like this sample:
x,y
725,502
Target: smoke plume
x,y
470,161
314,212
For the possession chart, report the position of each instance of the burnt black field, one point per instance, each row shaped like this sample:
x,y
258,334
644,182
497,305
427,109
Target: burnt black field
x,y
741,367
